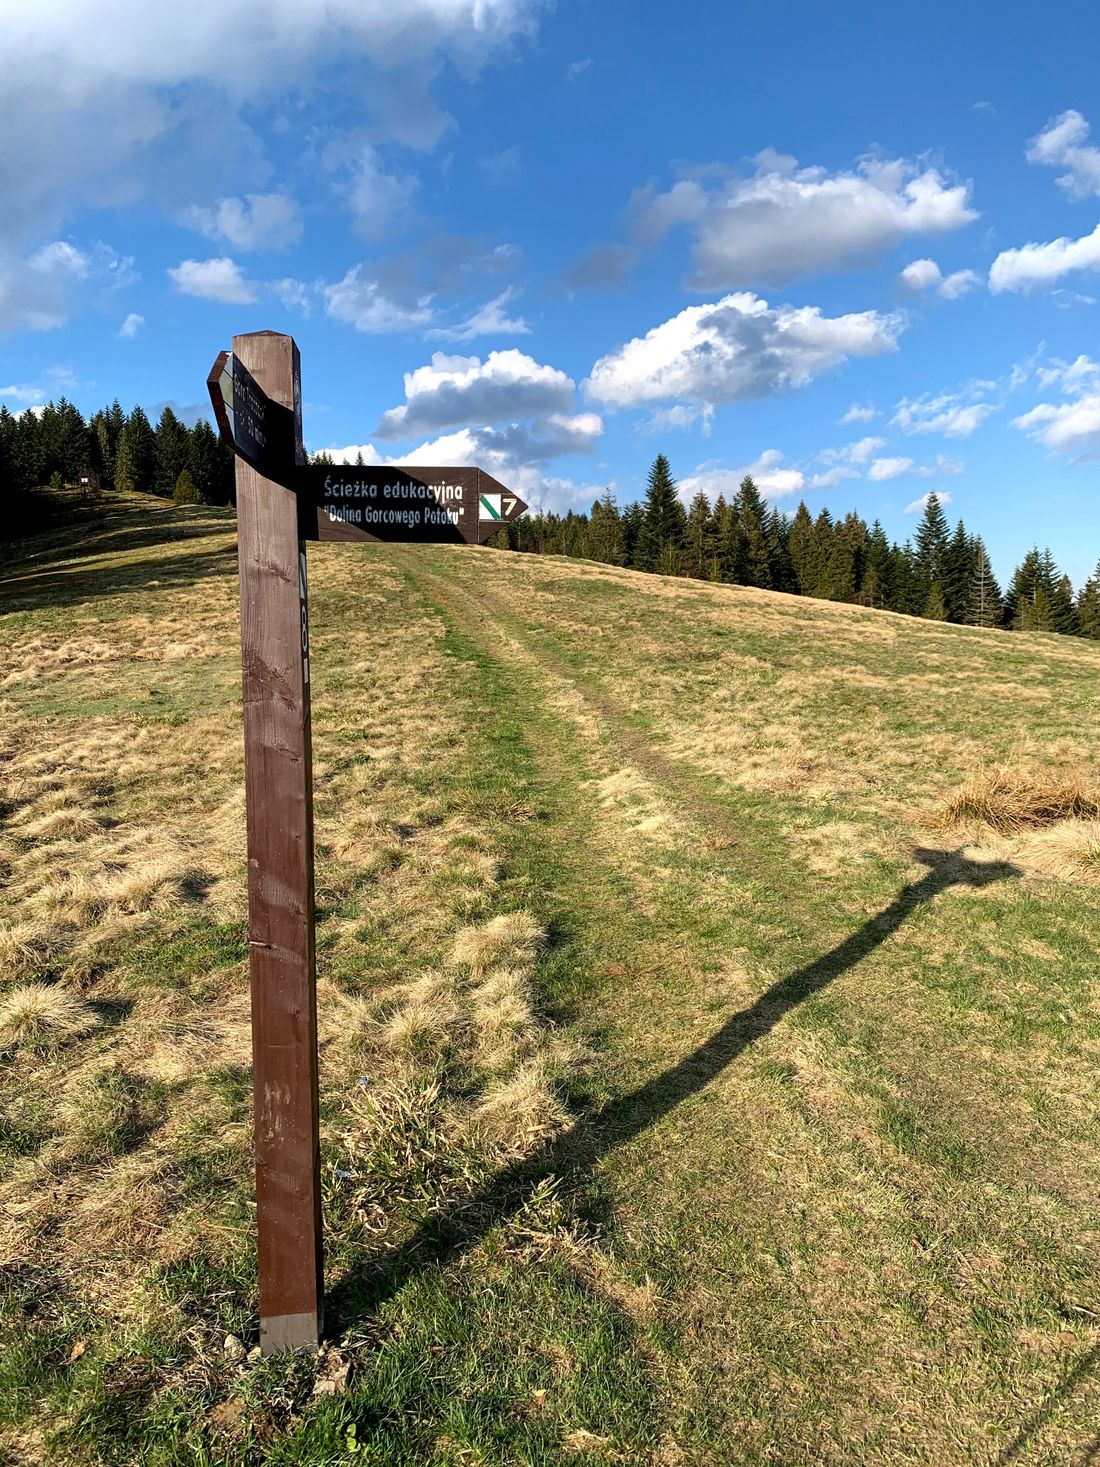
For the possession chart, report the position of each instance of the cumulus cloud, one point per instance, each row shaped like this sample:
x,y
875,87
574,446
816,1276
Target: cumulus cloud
x,y
105,114
220,279
889,468
918,506
361,302
1040,264
131,326
739,347
859,412
956,415
453,390
1062,144
490,320
1071,427
771,478
926,275
785,221
256,222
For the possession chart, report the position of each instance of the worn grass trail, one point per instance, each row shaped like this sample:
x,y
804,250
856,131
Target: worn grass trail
x,y
872,1234
692,1091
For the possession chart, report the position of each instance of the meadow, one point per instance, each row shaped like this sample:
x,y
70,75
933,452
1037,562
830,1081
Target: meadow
x,y
708,1014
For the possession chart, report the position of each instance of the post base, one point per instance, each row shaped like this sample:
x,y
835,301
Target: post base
x,y
290,1332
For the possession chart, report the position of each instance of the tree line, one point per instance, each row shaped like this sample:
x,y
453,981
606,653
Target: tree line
x,y
941,574
54,447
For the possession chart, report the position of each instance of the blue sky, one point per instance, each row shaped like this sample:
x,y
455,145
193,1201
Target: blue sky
x,y
854,248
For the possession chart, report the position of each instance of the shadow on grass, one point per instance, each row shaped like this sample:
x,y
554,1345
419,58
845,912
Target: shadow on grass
x,y
1069,1382
621,1119
27,585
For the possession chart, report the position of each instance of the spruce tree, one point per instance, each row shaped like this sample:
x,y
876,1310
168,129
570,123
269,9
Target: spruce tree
x,y
605,535
935,608
660,544
699,547
801,544
931,551
958,573
876,585
186,491
136,460
754,568
172,445
778,533
632,518
204,459
984,607
1088,607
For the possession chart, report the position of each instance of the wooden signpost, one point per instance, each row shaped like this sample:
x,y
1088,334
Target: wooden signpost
x,y
282,501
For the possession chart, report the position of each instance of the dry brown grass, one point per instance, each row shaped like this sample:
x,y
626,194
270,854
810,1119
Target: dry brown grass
x,y
512,937
1013,799
39,1014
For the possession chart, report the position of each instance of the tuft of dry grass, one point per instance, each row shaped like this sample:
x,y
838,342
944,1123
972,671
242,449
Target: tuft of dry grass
x,y
512,937
43,1016
1010,799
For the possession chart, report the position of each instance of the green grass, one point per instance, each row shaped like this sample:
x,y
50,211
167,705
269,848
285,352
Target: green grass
x,y
826,1187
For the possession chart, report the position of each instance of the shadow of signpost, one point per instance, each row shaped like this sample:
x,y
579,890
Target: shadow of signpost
x,y
621,1119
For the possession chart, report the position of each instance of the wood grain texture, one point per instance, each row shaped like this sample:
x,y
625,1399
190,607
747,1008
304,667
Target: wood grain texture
x,y
279,795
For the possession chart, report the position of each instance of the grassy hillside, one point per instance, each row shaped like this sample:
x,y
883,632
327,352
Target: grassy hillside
x,y
705,1078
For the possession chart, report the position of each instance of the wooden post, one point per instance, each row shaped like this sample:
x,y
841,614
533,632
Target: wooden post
x,y
279,796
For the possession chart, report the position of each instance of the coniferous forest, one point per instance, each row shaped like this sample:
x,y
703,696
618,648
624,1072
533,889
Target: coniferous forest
x,y
942,573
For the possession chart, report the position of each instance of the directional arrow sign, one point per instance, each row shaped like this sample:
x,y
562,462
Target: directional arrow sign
x,y
264,433
432,506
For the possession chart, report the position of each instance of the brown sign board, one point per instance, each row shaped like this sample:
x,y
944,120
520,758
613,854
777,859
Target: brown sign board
x,y
264,433
415,505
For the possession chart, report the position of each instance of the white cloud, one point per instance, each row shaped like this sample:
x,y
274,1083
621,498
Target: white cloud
x,y
831,477
1072,378
498,450
680,416
490,320
214,280
102,113
921,504
456,390
852,453
295,295
131,326
859,412
921,274
21,394
926,275
1071,427
256,222
578,68
1061,144
945,412
38,294
739,347
1039,264
889,468
785,221
362,303
773,481
378,198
